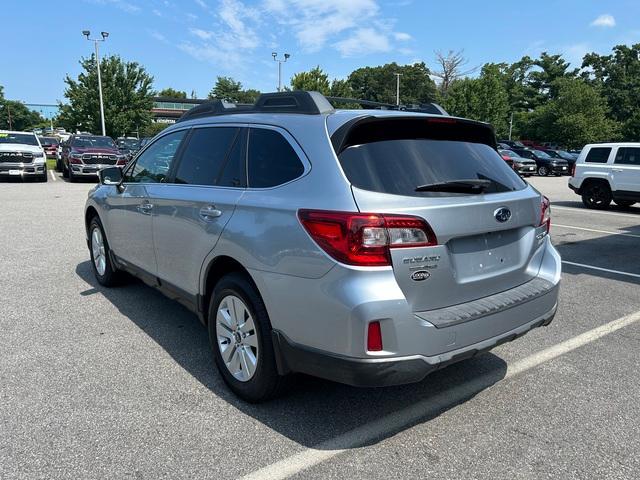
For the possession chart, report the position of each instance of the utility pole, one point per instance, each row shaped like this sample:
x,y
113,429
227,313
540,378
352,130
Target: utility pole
x,y
95,41
510,126
9,115
280,62
398,88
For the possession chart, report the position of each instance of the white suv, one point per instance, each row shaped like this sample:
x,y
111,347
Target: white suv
x,y
606,172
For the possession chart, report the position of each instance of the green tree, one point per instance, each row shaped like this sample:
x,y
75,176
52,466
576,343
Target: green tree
x,y
379,83
226,88
484,98
16,116
618,76
543,78
171,93
576,116
127,91
152,129
313,80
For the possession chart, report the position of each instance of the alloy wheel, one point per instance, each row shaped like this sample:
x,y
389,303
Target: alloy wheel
x,y
237,338
98,250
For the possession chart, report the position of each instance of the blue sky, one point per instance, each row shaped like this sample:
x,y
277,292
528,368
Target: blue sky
x,y
185,44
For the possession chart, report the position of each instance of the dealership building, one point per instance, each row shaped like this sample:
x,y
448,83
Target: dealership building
x,y
168,110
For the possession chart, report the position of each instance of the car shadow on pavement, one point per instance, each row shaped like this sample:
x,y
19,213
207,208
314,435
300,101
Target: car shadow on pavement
x,y
313,410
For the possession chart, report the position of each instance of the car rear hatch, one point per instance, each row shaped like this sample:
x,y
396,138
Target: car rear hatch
x,y
487,241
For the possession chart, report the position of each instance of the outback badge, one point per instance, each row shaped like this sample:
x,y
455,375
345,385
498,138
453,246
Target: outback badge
x,y
420,275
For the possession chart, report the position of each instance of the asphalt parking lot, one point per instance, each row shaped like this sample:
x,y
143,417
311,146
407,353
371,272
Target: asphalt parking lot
x,y
120,383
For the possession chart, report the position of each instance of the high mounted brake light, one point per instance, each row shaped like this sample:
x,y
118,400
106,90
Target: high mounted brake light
x,y
365,239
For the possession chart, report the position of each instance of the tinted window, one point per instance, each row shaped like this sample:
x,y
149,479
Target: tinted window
x,y
399,166
272,160
204,155
598,155
93,142
234,173
153,164
628,156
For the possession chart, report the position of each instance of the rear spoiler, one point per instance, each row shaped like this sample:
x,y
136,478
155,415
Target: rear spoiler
x,y
370,129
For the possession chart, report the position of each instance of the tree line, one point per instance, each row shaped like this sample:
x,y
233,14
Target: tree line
x,y
540,98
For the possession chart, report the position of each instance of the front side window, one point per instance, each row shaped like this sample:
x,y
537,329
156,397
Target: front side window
x,y
152,166
205,155
272,160
598,155
628,156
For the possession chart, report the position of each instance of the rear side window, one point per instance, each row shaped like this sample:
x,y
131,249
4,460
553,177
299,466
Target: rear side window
x,y
272,160
628,156
205,154
598,155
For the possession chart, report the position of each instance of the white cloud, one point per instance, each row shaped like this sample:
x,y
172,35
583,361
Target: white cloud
x,y
401,36
362,42
605,21
314,22
201,34
158,36
202,4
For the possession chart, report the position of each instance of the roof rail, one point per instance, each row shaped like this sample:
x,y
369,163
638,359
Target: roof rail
x,y
432,108
299,101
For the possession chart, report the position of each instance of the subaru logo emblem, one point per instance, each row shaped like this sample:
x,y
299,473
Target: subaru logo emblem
x,y
503,214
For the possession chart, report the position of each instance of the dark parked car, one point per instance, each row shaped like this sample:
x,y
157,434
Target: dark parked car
x,y
84,155
511,143
128,146
571,159
547,165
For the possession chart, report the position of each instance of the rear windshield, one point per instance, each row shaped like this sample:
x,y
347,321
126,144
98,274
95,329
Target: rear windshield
x,y
398,166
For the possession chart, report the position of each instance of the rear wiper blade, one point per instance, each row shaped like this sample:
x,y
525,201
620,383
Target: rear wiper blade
x,y
472,185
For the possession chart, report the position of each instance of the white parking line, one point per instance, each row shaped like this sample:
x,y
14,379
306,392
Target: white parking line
x,y
597,231
53,175
430,406
591,267
586,210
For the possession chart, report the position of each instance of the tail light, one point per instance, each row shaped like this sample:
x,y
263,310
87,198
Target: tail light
x,y
374,337
545,213
365,239
573,169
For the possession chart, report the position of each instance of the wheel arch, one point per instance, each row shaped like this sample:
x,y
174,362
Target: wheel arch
x,y
592,180
216,269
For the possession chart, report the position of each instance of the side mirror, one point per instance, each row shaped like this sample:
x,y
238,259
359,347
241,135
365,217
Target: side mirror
x,y
110,176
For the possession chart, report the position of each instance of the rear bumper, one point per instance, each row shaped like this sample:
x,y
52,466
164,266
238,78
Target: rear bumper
x,y
381,372
320,324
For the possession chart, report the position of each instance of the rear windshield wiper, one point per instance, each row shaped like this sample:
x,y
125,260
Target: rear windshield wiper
x,y
474,185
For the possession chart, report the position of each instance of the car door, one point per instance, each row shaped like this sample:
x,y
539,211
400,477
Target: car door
x,y
192,209
626,170
130,211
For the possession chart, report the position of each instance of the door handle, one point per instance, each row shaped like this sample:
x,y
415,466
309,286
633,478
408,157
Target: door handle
x,y
209,213
145,208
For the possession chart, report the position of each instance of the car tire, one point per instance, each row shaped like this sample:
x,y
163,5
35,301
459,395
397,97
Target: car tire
x,y
596,195
543,171
70,175
65,171
103,268
624,203
240,337
59,165
44,177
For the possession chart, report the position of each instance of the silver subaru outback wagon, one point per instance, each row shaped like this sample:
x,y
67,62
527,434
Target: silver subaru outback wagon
x,y
368,247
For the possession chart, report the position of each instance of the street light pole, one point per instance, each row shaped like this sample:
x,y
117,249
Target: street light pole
x,y
95,41
398,88
280,62
510,126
